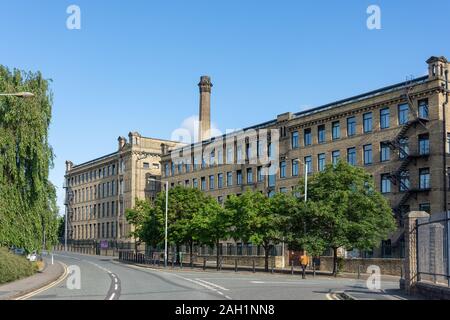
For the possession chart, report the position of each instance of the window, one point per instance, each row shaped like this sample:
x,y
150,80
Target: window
x,y
321,162
336,156
211,182
220,180
260,148
404,148
186,183
424,178
229,179
295,167
220,199
385,152
220,156
203,183
424,144
212,159
272,180
172,169
180,167
385,183
367,122
425,207
308,164
248,151
404,181
307,137
351,156
195,183
403,113
283,169
321,134
384,118
448,142
423,109
336,130
351,126
259,173
229,155
249,176
283,190
239,177
294,140
367,154
239,153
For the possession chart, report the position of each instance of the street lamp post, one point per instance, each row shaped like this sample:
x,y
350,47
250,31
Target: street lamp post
x,y
166,218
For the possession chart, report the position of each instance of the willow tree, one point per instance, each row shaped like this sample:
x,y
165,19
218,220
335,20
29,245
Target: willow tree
x,y
28,211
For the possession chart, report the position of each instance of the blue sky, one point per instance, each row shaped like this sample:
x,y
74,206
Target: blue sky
x,y
134,65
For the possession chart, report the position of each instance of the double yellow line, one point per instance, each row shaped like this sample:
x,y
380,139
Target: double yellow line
x,y
48,286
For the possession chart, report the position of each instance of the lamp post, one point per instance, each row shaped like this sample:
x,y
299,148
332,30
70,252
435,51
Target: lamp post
x,y
306,177
166,218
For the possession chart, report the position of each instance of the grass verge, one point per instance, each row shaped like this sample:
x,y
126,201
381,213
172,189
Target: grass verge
x,y
14,267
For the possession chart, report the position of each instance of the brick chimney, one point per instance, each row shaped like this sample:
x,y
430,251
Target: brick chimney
x,y
204,130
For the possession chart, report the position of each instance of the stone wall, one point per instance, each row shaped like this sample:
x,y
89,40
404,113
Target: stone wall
x,y
431,291
388,266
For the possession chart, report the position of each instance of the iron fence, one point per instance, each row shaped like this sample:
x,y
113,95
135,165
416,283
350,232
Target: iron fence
x,y
432,248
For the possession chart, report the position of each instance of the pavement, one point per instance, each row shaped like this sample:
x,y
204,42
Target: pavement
x,y
105,278
21,288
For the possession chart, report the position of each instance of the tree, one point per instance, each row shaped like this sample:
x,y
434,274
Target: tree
x,y
257,219
137,216
212,224
344,210
27,198
184,205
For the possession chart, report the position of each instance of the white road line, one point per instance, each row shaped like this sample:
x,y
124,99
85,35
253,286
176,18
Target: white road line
x,y
115,280
115,287
112,296
186,279
213,284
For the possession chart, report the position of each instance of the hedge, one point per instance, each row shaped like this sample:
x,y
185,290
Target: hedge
x,y
14,267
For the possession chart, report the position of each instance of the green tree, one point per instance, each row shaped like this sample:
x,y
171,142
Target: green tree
x,y
344,210
27,198
258,219
137,217
212,224
184,205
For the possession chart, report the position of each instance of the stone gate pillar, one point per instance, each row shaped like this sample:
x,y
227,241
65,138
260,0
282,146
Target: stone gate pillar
x,y
410,261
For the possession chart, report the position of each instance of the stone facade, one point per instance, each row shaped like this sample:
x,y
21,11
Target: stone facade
x,y
99,191
396,133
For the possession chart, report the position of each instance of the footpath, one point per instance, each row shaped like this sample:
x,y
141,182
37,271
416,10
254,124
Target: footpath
x,y
17,289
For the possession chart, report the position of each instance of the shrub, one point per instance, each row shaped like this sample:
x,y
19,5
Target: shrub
x,y
14,267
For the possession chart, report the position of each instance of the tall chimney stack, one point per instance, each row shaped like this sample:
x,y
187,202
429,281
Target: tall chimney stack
x,y
204,130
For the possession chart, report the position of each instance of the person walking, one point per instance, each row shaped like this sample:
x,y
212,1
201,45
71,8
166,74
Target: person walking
x,y
304,261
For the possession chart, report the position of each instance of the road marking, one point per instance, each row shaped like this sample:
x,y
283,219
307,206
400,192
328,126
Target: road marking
x,y
186,279
50,285
115,286
112,296
213,284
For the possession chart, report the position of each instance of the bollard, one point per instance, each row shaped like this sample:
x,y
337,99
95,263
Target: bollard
x,y
314,269
273,267
173,261
204,263
303,271
359,271
235,265
254,269
292,268
181,264
220,264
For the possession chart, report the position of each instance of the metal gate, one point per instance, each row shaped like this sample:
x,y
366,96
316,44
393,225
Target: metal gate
x,y
433,249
